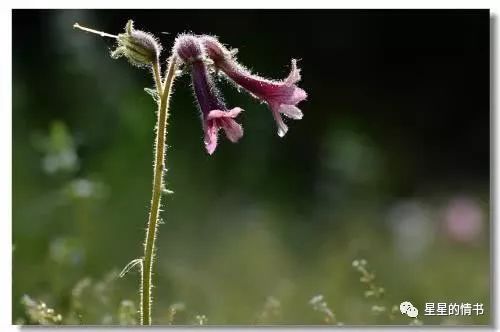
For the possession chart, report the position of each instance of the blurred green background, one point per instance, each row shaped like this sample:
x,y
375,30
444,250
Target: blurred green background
x,y
390,164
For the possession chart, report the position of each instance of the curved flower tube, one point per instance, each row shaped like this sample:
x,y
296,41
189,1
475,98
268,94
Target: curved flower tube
x,y
215,115
281,96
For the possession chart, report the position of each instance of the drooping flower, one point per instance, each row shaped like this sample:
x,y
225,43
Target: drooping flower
x,y
281,96
215,115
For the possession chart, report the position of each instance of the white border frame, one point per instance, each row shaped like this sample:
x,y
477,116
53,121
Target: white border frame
x,y
6,118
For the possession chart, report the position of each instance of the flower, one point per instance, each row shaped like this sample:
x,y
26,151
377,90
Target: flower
x,y
215,115
463,219
139,47
281,96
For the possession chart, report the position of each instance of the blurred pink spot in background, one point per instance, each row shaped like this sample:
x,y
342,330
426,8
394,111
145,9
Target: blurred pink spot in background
x,y
414,230
463,219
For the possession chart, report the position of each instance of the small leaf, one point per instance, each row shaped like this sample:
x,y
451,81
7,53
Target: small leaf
x,y
166,191
130,266
153,93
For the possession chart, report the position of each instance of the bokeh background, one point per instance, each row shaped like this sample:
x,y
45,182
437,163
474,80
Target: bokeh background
x,y
388,167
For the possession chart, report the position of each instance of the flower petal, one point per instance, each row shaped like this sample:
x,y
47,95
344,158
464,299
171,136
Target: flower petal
x,y
296,96
294,75
291,111
217,119
282,127
233,130
224,120
211,132
214,114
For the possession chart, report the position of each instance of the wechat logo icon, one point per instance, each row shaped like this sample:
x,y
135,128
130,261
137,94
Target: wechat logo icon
x,y
408,309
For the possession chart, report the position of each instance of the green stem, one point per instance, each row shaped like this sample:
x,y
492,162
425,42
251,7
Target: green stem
x,y
157,77
159,166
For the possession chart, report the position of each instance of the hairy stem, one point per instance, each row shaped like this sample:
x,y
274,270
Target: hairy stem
x,y
157,77
159,166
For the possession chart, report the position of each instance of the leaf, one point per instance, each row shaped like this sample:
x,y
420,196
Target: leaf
x,y
153,93
166,191
130,266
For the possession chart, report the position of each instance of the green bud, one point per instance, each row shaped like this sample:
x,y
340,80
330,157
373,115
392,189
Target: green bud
x,y
139,47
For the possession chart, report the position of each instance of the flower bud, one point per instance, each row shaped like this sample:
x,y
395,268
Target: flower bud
x,y
139,47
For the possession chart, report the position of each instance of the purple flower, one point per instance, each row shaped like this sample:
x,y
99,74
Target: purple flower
x,y
281,96
215,114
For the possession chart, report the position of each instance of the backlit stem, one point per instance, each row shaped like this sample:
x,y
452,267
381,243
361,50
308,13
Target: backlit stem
x,y
159,166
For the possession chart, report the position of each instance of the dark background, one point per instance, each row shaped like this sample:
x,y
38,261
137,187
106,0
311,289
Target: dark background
x,y
395,135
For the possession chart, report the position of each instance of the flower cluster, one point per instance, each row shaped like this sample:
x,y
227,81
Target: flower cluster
x,y
202,53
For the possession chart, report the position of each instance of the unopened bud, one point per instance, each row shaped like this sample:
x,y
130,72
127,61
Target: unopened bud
x,y
139,47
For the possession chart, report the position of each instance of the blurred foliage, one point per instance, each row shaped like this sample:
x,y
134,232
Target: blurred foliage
x,y
390,164
39,313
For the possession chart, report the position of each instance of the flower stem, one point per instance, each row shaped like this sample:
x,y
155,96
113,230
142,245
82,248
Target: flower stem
x,y
159,166
157,77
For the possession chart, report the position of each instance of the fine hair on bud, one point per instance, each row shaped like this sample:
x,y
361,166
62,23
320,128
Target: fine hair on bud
x,y
139,47
188,48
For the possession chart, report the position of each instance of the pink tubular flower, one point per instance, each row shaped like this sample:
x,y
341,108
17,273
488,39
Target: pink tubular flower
x,y
281,96
215,114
